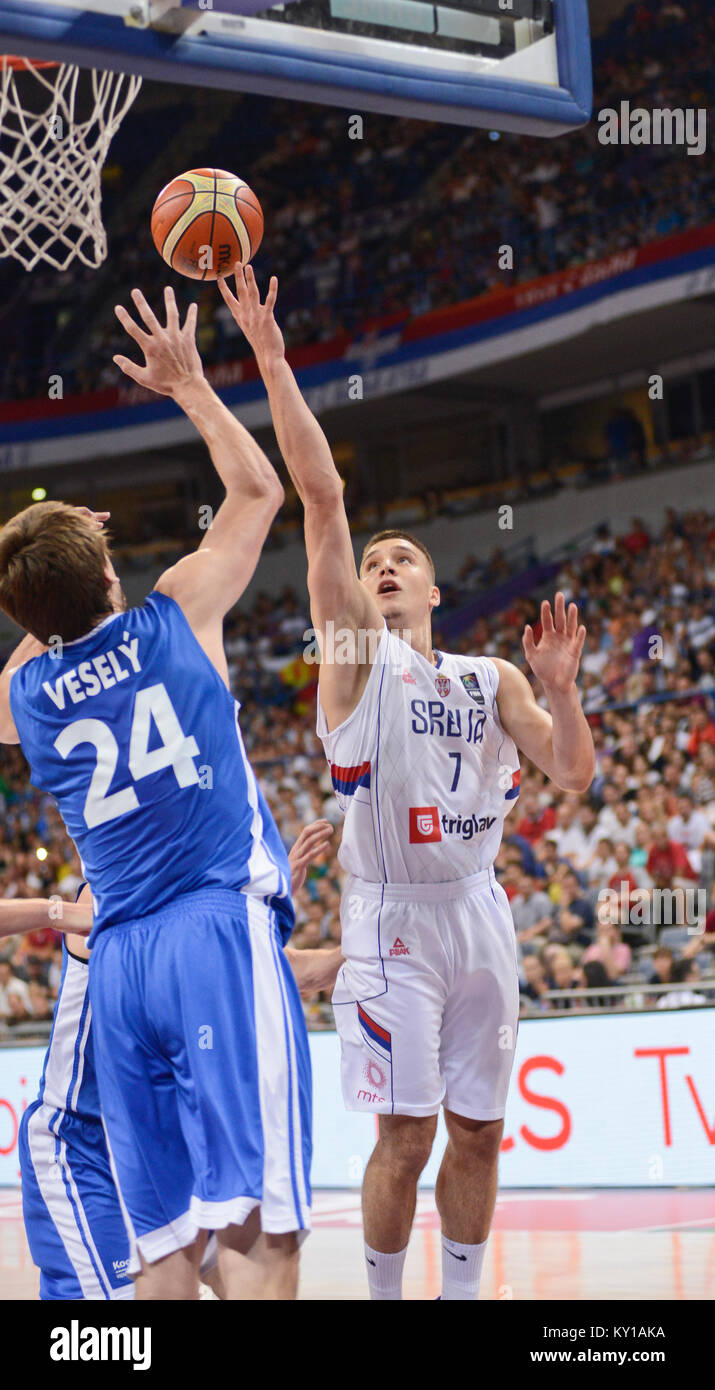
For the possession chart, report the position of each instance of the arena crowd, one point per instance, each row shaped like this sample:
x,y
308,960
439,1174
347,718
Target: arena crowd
x,y
408,220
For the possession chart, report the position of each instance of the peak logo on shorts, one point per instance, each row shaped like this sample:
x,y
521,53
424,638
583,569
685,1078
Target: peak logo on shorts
x,y
427,825
399,948
424,825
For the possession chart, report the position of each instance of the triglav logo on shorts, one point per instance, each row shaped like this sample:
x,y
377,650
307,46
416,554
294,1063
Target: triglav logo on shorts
x,y
424,825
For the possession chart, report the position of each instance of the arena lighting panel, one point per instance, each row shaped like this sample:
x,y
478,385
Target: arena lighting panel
x,y
513,65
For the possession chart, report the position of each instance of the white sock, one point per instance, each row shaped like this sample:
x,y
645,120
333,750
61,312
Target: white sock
x,y
384,1274
461,1270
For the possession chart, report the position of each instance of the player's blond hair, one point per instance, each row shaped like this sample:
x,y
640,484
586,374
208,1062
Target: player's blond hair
x,y
52,579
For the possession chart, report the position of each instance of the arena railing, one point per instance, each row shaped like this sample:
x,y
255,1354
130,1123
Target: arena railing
x,y
637,998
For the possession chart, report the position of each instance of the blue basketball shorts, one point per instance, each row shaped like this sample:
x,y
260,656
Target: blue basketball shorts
x,y
204,1071
71,1210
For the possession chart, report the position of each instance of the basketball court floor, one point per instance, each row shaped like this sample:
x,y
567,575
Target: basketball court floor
x,y
547,1245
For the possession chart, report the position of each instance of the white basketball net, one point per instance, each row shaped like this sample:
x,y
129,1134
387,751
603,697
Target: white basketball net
x,y
51,160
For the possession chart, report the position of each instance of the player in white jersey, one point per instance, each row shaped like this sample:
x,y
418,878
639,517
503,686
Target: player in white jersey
x,y
423,753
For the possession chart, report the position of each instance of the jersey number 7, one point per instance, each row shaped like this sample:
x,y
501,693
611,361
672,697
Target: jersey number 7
x,y
457,770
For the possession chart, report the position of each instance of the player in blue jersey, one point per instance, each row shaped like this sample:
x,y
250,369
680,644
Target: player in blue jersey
x,y
71,1208
201,1047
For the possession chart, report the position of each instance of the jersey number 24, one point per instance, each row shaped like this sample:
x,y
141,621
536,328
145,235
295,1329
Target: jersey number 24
x,y
177,751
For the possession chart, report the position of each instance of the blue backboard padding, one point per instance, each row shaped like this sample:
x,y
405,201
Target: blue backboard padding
x,y
359,80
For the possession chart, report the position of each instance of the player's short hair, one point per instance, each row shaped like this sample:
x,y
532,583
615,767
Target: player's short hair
x,y
52,580
398,536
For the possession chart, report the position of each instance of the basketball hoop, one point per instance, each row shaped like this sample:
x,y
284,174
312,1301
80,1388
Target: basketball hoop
x,y
56,125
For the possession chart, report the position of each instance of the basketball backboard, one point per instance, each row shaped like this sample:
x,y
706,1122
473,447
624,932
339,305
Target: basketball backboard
x,y
515,65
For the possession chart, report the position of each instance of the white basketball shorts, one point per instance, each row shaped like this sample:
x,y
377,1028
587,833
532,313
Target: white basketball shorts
x,y
427,1003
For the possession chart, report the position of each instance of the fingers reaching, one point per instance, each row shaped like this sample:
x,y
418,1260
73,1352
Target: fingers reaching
x,y
130,369
547,621
172,313
192,316
272,294
146,313
228,298
129,325
560,612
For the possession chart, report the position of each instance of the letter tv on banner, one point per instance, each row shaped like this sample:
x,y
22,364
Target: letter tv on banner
x,y
616,1100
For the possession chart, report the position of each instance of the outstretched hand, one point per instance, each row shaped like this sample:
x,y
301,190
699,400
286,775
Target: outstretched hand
x,y
170,354
255,320
556,659
311,842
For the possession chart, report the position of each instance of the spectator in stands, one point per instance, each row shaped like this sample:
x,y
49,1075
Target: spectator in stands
x,y
573,919
535,818
561,975
568,834
40,1004
532,910
603,864
18,1011
667,862
14,995
533,983
592,974
610,949
702,730
684,972
691,829
663,960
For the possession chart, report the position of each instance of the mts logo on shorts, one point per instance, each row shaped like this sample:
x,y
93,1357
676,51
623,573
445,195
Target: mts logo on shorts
x,y
424,825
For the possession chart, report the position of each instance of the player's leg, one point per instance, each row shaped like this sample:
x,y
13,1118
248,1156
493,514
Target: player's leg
x,y
149,1156
478,1040
466,1189
240,1070
173,1278
390,1043
256,1266
389,1191
466,1194
71,1210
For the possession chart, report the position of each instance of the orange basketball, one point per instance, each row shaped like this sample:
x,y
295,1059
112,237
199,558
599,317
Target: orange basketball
x,y
205,222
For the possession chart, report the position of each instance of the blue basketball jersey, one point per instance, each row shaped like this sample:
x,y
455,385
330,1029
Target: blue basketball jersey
x,y
134,733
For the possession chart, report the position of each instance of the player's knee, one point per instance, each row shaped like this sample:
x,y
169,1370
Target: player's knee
x,y
406,1141
478,1138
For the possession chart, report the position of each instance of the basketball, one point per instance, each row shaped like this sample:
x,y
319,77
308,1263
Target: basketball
x,y
205,222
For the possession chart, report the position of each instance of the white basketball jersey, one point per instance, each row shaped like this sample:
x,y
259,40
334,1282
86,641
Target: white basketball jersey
x,y
422,768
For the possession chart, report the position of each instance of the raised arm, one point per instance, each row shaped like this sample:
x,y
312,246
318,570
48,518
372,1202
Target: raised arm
x,y
336,594
209,582
559,741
